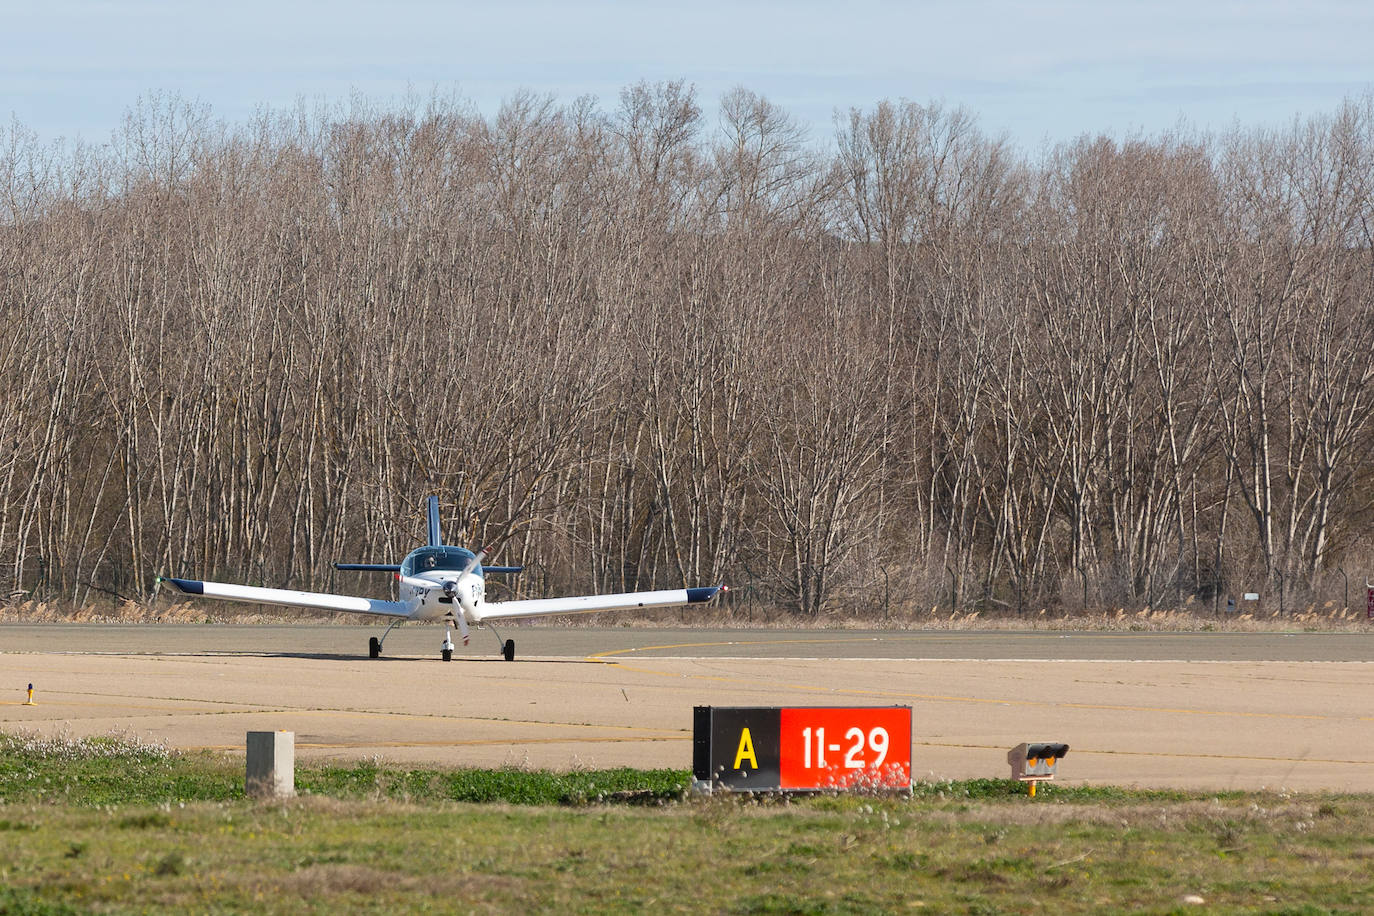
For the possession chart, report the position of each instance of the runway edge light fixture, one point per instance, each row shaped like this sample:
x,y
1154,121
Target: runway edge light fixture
x,y
1033,762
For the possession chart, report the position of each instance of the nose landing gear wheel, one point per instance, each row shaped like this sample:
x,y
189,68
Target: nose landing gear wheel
x,y
508,650
448,655
374,648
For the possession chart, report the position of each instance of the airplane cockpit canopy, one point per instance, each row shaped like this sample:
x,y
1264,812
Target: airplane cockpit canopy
x,y
428,559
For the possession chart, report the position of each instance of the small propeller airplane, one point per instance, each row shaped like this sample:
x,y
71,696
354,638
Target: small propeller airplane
x,y
441,583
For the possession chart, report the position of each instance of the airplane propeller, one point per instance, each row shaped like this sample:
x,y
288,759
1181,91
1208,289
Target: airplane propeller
x,y
450,587
473,563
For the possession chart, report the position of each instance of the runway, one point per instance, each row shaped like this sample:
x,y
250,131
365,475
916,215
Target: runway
x,y
1198,710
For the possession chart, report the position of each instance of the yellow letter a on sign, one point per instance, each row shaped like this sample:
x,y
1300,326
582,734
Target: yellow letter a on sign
x,y
746,750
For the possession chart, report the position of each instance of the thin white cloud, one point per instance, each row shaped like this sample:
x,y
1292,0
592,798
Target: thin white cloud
x,y
1046,69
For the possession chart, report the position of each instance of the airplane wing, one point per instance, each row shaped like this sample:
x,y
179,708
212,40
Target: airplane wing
x,y
248,594
586,604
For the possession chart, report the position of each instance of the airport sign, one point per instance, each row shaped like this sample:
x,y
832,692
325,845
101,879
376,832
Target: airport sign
x,y
802,748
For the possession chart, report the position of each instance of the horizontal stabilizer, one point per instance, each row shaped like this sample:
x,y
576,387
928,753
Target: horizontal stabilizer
x,y
588,604
501,569
369,567
248,594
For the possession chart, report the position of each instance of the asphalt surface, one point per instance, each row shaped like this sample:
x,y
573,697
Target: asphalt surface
x,y
671,642
1202,710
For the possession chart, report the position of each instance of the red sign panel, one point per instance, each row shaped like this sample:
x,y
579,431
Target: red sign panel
x,y
825,747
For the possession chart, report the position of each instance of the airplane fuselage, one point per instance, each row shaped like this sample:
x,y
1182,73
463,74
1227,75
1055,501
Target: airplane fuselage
x,y
453,593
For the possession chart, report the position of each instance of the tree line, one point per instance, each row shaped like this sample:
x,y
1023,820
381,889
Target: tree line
x,y
644,345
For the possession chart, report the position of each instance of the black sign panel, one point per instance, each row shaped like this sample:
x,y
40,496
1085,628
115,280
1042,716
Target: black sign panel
x,y
737,746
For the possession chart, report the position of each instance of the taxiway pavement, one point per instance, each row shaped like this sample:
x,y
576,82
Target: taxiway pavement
x,y
1200,710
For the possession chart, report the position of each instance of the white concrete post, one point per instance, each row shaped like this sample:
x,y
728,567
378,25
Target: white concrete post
x,y
271,770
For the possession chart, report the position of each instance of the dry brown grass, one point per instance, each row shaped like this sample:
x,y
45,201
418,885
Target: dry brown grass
x,y
1272,812
1257,852
158,612
1326,618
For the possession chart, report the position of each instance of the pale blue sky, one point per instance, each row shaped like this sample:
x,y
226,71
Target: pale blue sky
x,y
1049,70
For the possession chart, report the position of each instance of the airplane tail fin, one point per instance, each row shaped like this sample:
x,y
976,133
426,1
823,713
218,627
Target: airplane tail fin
x,y
433,513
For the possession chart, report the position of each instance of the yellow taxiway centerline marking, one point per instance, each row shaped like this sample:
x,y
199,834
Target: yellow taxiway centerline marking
x,y
604,656
184,710
379,714
903,695
959,699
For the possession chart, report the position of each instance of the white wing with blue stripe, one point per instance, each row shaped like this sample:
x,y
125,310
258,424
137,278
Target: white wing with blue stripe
x,y
249,594
588,604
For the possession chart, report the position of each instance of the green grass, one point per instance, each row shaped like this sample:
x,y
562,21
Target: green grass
x,y
510,785
111,769
114,770
79,834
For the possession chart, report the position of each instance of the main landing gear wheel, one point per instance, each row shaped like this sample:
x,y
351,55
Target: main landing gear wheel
x,y
508,650
447,654
374,645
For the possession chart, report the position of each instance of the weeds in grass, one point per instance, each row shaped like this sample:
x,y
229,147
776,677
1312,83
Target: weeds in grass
x,y
23,901
393,839
118,745
173,863
146,820
115,768
123,769
509,784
